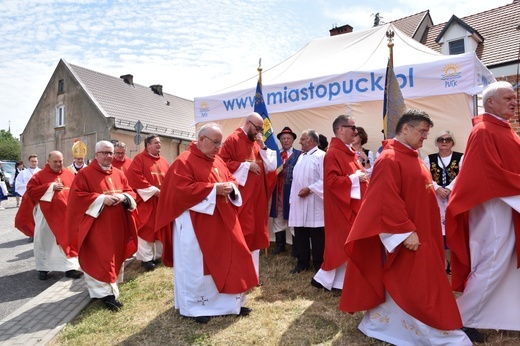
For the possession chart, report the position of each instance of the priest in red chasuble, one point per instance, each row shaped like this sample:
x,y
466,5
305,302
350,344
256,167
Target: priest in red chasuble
x,y
250,161
395,266
145,176
48,191
121,161
344,185
100,212
213,265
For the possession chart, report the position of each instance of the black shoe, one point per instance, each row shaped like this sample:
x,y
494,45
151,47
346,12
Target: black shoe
x,y
202,319
473,334
148,265
245,311
30,239
42,275
112,303
448,268
73,274
157,261
279,249
317,285
299,269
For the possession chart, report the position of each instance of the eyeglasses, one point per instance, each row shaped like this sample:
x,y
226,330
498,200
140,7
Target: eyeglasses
x,y
423,132
353,127
119,153
444,140
215,143
258,128
105,153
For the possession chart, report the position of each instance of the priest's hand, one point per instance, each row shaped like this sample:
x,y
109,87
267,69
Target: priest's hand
x,y
57,187
113,200
304,192
412,242
260,140
442,192
224,189
255,168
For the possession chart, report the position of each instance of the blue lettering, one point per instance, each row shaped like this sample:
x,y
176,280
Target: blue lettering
x,y
334,90
284,94
305,94
359,81
271,98
350,87
403,78
311,89
321,91
375,82
410,77
294,95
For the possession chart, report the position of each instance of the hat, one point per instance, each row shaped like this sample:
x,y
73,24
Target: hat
x,y
79,149
286,130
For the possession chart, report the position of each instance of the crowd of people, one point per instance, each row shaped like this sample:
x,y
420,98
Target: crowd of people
x,y
387,231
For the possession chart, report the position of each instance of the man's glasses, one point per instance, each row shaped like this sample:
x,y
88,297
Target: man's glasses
x,y
444,140
353,127
258,128
215,143
105,153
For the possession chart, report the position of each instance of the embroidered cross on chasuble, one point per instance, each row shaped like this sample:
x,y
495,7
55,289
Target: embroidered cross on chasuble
x,y
158,174
58,180
109,187
252,157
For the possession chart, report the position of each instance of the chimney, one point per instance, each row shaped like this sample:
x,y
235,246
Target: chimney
x,y
128,79
345,29
157,89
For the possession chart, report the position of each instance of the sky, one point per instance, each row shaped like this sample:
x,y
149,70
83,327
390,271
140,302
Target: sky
x,y
191,47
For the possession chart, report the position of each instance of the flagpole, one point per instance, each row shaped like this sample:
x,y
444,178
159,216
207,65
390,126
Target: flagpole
x,y
390,37
259,69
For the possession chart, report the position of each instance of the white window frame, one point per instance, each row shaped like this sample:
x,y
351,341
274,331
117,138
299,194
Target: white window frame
x,y
60,116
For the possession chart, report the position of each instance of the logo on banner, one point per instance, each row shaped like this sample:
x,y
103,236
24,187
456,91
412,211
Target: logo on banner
x,y
204,109
451,75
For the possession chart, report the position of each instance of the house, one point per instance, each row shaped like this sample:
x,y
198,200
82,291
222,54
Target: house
x,y
494,35
79,103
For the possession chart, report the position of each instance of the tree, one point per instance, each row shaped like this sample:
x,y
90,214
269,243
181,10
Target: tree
x,y
10,147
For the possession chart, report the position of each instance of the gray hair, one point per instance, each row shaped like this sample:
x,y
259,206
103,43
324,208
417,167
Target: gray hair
x,y
101,144
205,129
492,89
341,120
314,135
120,144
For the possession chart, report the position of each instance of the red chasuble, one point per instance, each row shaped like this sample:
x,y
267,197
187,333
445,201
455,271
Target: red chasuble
x,y
340,210
24,219
400,199
55,210
122,165
252,214
491,169
226,256
146,171
105,242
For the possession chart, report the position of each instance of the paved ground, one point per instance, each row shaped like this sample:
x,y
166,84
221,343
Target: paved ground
x,y
32,312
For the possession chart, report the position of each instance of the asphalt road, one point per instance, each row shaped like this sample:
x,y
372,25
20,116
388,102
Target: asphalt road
x,y
18,277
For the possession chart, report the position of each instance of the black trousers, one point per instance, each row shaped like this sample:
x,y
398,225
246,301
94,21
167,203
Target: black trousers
x,y
303,238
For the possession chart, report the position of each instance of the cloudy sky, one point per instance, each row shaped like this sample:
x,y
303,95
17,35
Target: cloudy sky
x,y
191,47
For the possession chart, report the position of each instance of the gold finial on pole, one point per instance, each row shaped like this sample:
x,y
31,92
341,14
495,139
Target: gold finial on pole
x,y
259,69
390,36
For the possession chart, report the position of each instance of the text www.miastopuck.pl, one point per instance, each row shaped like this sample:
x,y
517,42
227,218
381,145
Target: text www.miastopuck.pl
x,y
320,91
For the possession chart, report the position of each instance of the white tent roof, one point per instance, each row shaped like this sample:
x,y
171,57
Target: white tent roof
x,y
349,68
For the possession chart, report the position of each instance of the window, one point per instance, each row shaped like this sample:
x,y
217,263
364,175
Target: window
x,y
456,47
60,116
61,86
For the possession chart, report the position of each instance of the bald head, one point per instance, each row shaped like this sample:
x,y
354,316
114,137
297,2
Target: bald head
x,y
55,161
253,125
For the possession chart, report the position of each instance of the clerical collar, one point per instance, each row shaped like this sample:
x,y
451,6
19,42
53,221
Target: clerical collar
x,y
499,118
105,168
152,155
406,145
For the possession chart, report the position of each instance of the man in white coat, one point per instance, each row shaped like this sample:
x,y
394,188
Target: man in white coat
x,y
24,176
306,213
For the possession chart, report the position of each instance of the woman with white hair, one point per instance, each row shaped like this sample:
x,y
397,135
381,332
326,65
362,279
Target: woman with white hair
x,y
444,167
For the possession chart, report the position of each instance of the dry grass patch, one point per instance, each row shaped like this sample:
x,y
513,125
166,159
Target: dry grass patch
x,y
286,311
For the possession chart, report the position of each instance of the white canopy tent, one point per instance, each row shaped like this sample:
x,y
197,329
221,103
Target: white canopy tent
x,y
345,74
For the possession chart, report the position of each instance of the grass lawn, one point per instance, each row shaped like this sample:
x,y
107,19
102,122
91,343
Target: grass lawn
x,y
286,311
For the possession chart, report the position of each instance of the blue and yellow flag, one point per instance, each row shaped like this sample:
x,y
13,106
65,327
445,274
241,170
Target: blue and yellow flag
x,y
394,105
268,132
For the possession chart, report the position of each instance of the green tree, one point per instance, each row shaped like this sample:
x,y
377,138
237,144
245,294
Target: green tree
x,y
10,147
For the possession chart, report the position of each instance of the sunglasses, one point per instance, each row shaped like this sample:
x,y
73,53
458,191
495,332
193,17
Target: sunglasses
x,y
444,140
258,128
353,127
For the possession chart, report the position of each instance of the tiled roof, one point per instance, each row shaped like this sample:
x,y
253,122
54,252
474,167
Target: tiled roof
x,y
497,26
410,24
166,115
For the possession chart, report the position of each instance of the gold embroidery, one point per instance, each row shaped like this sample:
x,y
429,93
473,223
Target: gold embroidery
x,y
113,190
